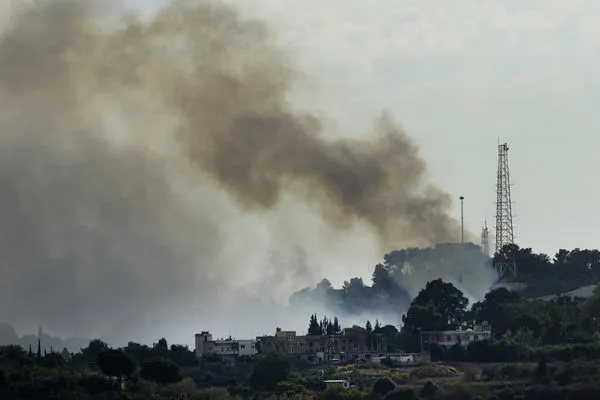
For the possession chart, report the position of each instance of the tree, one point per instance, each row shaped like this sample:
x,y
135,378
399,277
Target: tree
x,y
336,325
94,348
369,327
182,355
383,386
313,328
541,369
116,363
160,370
448,301
269,371
429,389
327,326
162,347
425,318
402,394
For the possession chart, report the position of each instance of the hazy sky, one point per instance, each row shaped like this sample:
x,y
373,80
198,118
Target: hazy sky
x,y
458,78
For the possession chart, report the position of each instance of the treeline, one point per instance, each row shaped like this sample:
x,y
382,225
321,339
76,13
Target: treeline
x,y
96,370
522,329
323,327
387,292
544,275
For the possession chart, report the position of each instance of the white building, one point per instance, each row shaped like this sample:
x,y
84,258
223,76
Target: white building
x,y
462,337
205,346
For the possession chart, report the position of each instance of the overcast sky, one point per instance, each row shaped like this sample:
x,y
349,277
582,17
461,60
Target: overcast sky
x,y
459,76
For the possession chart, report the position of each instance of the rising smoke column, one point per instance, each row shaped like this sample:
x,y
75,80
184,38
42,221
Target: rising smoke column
x,y
126,149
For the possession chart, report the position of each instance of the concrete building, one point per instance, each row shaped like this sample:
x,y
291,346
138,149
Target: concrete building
x,y
351,344
206,346
454,337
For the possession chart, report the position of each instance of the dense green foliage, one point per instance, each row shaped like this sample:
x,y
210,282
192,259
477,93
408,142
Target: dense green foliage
x,y
538,349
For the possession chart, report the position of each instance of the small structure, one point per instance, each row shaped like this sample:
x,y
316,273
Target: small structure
x,y
333,383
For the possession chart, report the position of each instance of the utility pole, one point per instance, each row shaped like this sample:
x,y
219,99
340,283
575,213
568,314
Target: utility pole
x,y
462,220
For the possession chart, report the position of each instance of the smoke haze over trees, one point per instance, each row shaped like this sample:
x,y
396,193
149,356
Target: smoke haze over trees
x,y
156,159
154,174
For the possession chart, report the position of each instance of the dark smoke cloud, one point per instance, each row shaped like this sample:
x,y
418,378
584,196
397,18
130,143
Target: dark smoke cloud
x,y
123,145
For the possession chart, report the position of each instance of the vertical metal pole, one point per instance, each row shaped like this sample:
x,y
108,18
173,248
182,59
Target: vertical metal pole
x,y
462,221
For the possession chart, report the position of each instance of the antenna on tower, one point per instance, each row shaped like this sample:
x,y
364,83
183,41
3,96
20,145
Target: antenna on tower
x,y
504,218
485,240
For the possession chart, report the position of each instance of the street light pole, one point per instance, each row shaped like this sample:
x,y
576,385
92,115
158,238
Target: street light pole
x,y
462,221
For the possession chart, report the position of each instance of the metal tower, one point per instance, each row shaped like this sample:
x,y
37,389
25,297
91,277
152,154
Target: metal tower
x,y
485,240
504,218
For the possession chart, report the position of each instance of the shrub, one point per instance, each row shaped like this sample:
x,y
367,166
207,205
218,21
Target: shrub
x,y
400,377
429,389
401,394
383,386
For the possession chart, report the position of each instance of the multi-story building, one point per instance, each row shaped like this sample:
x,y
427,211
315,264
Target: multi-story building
x,y
351,344
206,346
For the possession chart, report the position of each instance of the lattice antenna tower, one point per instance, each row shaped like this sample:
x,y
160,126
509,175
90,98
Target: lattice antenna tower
x,y
485,240
504,217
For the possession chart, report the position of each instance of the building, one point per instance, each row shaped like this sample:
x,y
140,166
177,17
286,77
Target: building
x,y
206,346
351,344
453,337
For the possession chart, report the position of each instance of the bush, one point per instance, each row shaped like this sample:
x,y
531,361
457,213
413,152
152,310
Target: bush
x,y
429,389
387,361
495,351
400,377
508,372
343,394
160,370
383,386
95,384
565,353
401,394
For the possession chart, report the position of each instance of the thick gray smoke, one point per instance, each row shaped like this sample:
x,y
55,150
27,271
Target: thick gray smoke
x,y
151,169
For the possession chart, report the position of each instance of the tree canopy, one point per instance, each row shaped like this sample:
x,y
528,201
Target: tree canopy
x,y
116,363
160,370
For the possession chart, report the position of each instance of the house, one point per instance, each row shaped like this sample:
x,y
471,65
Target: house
x,y
350,344
206,346
332,383
453,337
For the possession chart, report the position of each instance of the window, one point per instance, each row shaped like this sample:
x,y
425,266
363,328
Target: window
x,y
242,346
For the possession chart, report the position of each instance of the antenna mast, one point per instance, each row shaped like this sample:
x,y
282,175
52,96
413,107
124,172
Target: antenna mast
x,y
485,240
504,217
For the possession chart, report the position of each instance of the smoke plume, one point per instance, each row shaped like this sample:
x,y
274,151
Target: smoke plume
x,y
153,167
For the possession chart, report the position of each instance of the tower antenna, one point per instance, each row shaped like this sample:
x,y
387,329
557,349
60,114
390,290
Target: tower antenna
x,y
504,218
485,240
